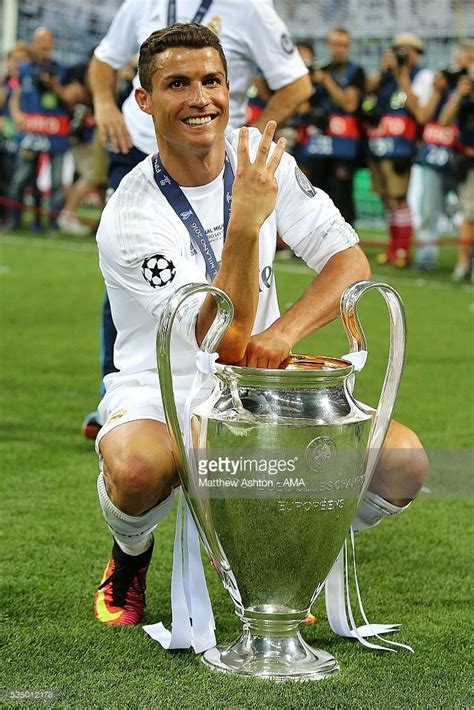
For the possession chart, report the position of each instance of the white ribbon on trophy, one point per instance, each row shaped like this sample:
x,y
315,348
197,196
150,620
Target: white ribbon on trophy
x,y
191,610
337,588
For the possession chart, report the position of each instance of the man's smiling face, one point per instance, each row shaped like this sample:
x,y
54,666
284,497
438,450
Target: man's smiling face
x,y
189,98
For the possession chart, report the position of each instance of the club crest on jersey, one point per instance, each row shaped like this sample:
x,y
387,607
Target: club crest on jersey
x,y
158,271
215,24
186,214
287,43
304,183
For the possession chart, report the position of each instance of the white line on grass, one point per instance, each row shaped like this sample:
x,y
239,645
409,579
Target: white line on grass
x,y
48,243
285,267
300,268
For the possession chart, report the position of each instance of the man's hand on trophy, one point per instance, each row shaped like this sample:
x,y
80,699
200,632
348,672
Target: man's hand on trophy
x,y
255,187
267,349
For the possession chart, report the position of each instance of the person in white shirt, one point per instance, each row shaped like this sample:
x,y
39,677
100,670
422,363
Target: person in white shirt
x,y
252,35
148,250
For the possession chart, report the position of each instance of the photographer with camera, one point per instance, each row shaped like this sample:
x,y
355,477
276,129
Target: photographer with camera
x,y
401,87
90,159
19,53
442,166
460,108
43,123
333,123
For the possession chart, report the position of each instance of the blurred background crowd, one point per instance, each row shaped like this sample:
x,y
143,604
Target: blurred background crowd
x,y
388,131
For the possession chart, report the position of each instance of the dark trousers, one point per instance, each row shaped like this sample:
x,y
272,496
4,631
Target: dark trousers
x,y
26,168
120,165
336,177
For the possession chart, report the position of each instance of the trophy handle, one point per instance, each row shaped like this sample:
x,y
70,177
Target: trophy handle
x,y
222,320
396,358
224,315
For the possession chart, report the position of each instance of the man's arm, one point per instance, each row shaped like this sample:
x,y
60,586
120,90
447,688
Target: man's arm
x,y
108,117
253,200
372,82
317,306
3,95
69,94
451,110
113,52
285,101
426,113
269,46
402,75
15,109
348,99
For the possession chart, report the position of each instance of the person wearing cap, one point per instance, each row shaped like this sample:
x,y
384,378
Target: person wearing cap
x,y
401,87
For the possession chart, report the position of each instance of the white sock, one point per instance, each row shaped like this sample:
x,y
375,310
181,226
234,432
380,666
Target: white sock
x,y
136,548
133,533
372,509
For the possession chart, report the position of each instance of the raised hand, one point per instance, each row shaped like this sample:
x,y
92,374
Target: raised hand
x,y
255,186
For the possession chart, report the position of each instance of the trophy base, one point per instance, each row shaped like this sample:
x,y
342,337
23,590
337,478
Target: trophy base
x,y
272,657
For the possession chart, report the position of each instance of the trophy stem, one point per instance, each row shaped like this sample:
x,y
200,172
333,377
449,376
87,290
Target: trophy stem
x,y
274,650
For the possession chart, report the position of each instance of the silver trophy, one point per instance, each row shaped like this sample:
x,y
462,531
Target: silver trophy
x,y
277,463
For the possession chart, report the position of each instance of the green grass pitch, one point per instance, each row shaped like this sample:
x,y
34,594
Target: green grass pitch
x,y
414,569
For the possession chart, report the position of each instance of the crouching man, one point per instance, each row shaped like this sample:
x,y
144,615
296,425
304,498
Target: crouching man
x,y
170,224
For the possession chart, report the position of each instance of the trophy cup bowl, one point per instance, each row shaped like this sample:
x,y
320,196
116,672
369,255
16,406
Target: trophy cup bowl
x,y
274,468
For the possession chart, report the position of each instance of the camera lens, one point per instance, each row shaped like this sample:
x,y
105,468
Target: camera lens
x,y
401,56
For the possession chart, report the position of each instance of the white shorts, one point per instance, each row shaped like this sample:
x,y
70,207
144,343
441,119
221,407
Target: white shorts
x,y
137,396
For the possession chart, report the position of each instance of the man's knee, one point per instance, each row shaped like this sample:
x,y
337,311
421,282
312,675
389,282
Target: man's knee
x,y
418,463
412,456
138,470
132,474
404,457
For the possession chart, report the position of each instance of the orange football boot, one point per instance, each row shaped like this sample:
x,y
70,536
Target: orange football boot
x,y
120,597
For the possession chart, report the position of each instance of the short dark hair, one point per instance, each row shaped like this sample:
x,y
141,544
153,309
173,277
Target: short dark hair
x,y
340,31
188,35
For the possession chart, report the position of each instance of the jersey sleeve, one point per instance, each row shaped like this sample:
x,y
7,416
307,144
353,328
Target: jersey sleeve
x,y
307,219
121,41
271,46
149,270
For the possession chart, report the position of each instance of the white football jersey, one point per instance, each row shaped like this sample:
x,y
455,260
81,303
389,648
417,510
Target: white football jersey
x,y
252,35
146,254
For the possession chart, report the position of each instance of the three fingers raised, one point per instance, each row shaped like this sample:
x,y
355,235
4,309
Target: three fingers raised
x,y
264,148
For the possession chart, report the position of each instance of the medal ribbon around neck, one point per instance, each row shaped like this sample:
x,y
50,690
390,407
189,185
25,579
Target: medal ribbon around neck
x,y
184,210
